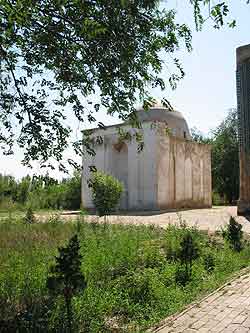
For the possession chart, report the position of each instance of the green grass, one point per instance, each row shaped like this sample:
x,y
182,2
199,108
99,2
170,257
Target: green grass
x,y
18,213
130,273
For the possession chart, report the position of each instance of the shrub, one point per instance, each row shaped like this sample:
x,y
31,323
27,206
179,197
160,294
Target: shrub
x,y
188,252
234,234
216,199
65,276
106,192
29,216
181,275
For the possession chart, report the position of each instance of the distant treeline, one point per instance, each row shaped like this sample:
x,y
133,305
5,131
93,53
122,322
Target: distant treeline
x,y
40,192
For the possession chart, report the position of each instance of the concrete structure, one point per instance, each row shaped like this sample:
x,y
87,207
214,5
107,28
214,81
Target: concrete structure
x,y
243,101
170,172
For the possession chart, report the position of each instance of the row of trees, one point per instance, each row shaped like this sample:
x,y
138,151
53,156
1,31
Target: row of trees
x,y
225,158
44,192
41,192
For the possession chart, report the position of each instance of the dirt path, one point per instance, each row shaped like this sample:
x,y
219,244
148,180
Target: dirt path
x,y
205,219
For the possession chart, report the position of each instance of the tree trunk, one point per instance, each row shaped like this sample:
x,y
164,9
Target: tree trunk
x,y
69,313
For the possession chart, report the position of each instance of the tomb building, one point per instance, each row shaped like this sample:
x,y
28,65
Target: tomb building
x,y
170,172
243,109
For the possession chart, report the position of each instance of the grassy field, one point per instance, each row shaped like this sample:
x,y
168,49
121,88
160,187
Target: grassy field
x,y
133,274
18,214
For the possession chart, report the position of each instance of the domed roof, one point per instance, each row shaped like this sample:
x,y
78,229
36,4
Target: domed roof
x,y
173,119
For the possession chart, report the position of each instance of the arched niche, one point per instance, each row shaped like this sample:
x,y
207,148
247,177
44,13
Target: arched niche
x,y
120,169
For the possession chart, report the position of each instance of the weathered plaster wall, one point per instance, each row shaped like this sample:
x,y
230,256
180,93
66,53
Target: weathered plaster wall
x,y
170,172
137,171
184,173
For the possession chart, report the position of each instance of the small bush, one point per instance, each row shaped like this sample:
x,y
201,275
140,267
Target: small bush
x,y
29,217
217,200
182,276
65,277
189,251
106,192
234,234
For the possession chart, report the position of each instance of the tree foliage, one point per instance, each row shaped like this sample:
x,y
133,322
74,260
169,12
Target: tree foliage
x,y
56,55
106,192
199,137
234,234
41,192
225,156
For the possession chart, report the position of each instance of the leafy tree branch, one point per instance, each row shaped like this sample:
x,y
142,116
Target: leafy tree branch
x,y
65,60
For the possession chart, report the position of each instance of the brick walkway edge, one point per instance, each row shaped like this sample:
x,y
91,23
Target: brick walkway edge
x,y
225,310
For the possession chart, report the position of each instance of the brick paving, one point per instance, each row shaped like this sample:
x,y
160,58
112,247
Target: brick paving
x,y
226,310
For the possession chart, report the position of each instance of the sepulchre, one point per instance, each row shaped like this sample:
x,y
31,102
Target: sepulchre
x,y
243,107
171,171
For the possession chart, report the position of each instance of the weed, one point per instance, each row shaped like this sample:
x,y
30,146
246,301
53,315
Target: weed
x,y
29,217
182,276
209,262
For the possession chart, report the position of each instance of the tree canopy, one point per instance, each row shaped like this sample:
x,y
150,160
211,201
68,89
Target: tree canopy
x,y
56,55
40,192
225,157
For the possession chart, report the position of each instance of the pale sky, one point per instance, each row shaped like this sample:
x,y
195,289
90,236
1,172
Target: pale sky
x,y
208,89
